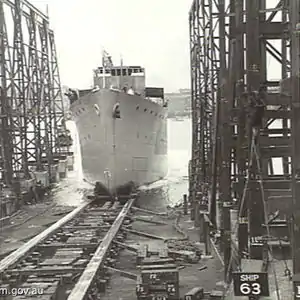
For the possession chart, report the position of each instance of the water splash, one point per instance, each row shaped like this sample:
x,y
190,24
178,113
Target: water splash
x,y
71,190
169,190
158,195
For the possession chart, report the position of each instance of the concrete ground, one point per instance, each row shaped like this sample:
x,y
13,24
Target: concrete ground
x,y
28,222
32,219
282,282
121,288
277,279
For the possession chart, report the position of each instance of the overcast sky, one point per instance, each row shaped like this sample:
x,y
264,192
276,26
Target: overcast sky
x,y
152,33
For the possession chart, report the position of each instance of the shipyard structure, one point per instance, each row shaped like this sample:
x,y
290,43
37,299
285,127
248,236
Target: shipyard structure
x,y
244,171
34,141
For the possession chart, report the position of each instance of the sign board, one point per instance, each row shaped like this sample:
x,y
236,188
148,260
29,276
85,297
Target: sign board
x,y
251,284
159,298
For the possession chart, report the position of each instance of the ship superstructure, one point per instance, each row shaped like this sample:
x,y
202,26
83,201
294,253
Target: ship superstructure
x,y
122,127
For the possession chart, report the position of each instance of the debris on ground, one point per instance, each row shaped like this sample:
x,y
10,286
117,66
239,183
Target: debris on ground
x,y
188,250
202,268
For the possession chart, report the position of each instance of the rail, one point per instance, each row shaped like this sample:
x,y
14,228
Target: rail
x,y
14,257
78,244
86,280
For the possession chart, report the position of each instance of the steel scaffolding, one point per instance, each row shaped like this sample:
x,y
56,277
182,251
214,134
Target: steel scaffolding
x,y
205,65
31,98
231,43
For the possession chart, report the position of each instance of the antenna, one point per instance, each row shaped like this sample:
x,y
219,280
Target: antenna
x,y
103,68
47,10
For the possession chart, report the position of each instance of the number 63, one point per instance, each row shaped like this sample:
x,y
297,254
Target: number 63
x,y
253,288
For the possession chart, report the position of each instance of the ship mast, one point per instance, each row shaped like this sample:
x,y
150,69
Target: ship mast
x,y
106,64
103,69
121,75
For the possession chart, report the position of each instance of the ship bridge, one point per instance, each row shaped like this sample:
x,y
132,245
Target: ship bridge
x,y
121,77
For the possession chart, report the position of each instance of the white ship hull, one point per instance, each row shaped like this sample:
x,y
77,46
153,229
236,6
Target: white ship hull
x,y
118,151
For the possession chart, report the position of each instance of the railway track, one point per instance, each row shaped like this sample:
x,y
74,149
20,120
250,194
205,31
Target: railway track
x,y
68,260
79,257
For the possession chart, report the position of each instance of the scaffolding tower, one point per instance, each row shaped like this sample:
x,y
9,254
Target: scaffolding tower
x,y
31,99
231,45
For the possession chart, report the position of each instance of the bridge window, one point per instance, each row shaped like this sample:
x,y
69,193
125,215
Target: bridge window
x,y
117,72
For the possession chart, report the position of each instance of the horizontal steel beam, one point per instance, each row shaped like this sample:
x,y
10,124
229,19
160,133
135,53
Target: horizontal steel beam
x,y
194,8
23,250
274,141
35,10
30,6
267,152
268,185
276,131
265,141
268,115
277,99
277,114
87,278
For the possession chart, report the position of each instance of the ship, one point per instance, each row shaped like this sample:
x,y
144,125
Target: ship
x,y
122,128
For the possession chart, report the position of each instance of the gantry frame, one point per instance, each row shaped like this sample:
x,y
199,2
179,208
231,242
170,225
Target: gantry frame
x,y
32,106
204,88
244,37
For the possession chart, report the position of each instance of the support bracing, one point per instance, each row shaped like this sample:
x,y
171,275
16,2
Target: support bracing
x,y
204,73
31,98
295,127
245,89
